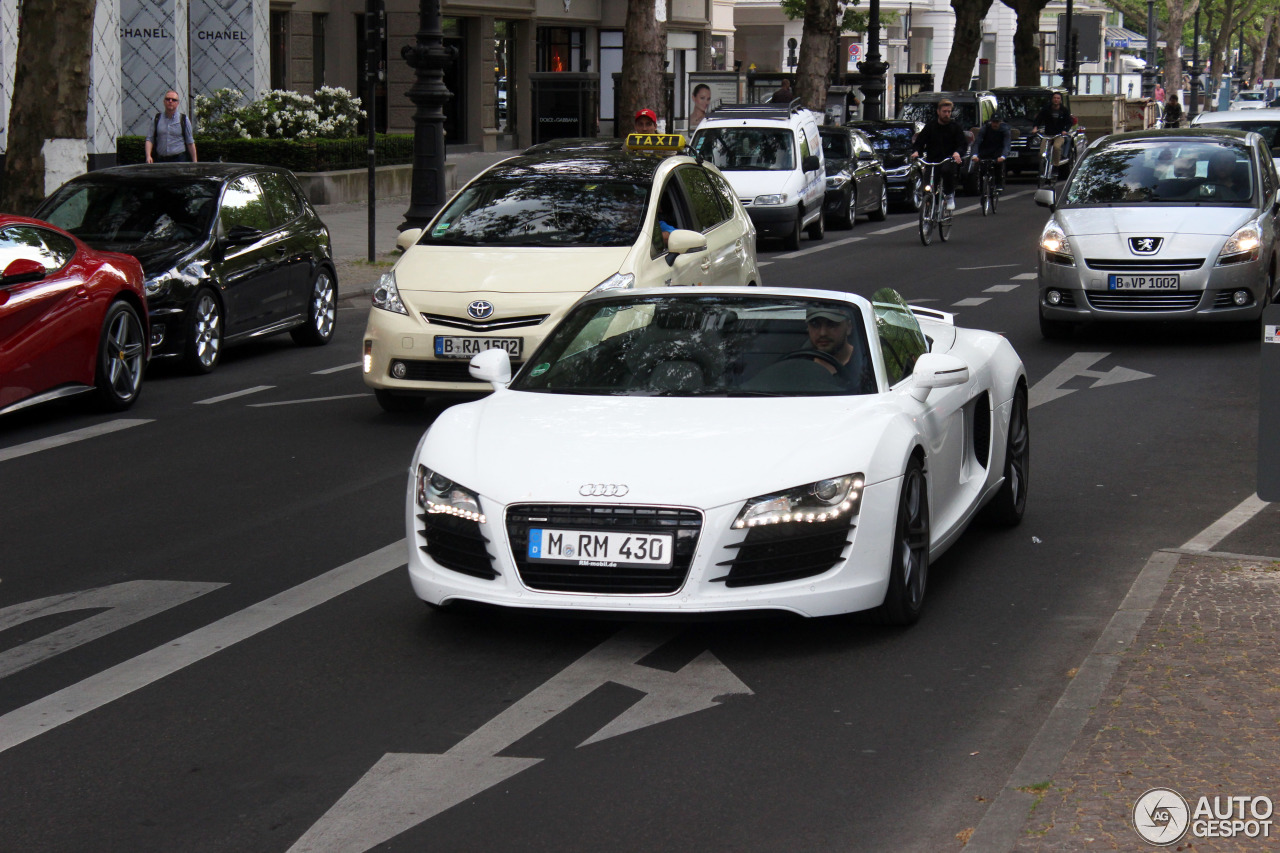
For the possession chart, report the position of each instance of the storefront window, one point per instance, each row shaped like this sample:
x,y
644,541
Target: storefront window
x,y
560,49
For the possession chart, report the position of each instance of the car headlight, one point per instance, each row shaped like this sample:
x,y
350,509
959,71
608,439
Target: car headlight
x,y
1054,239
898,171
617,281
777,198
821,501
158,286
1241,246
436,493
387,296
835,182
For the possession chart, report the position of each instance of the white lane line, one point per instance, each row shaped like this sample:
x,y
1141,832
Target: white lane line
x,y
1001,288
1026,276
990,267
105,428
959,212
337,369
254,390
44,715
763,263
820,247
309,400
1206,539
971,301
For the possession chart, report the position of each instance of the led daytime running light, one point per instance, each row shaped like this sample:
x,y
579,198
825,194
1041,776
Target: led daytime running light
x,y
803,505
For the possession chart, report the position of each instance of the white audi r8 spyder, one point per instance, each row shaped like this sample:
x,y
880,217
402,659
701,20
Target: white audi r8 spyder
x,y
711,450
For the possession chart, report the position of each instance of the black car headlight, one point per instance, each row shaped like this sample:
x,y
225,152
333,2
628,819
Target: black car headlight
x,y
159,285
835,182
824,500
436,493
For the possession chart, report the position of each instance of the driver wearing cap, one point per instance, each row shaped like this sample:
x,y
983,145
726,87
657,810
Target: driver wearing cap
x,y
829,333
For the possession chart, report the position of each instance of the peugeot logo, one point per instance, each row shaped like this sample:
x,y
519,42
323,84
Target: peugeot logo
x,y
480,309
603,490
1145,245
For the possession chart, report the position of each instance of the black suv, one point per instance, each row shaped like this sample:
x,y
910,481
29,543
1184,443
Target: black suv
x,y
1019,106
972,110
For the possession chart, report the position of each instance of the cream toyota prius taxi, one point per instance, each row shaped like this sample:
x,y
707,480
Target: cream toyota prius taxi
x,y
508,256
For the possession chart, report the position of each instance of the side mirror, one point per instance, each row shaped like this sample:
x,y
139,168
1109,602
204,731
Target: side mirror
x,y
682,242
492,366
407,238
243,234
23,270
937,370
1046,198
811,164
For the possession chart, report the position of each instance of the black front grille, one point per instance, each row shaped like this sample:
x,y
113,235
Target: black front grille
x,y
456,543
1144,264
441,371
686,524
786,552
483,325
1146,301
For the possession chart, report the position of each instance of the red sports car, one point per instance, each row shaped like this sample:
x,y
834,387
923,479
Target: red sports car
x,y
72,319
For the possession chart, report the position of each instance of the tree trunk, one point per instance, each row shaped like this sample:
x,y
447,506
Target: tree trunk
x,y
967,43
1273,51
1026,52
644,51
50,92
1180,12
817,46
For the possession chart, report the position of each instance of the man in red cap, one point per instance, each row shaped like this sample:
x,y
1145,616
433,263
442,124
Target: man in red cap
x,y
646,121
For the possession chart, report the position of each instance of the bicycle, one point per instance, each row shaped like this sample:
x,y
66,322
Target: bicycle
x,y
933,206
988,192
1048,169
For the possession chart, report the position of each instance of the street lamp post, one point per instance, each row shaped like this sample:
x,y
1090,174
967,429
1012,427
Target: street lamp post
x,y
1193,108
1149,70
873,67
428,57
1069,60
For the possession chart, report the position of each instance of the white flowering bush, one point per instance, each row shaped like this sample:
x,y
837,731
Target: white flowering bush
x,y
332,113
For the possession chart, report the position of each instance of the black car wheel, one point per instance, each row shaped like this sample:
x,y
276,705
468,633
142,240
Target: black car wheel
x,y
322,312
792,241
915,197
204,333
909,566
882,210
850,209
818,229
122,359
1010,502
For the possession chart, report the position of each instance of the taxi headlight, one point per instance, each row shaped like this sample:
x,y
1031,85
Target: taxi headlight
x,y
617,281
824,500
777,198
835,182
1241,246
387,296
436,493
1054,239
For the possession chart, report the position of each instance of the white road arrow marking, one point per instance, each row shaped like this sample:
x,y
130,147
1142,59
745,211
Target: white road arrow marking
x,y
1049,388
402,790
125,604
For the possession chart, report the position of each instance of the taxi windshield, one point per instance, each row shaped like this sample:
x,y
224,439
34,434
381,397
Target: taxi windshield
x,y
1173,171
747,149
705,346
555,211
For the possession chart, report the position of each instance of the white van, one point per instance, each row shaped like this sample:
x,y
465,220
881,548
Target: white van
x,y
772,156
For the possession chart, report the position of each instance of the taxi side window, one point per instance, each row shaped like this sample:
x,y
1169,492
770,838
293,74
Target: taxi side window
x,y
727,195
27,242
902,341
703,198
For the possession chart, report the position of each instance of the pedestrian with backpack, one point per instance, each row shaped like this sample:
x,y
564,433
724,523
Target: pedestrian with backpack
x,y
171,139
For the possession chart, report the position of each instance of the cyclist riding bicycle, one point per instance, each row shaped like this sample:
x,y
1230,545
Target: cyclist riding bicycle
x,y
992,142
1055,120
943,139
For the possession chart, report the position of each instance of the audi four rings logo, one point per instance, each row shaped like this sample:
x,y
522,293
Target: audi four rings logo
x,y
480,309
1145,245
603,490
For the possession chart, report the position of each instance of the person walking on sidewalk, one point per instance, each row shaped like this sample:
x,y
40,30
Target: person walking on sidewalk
x,y
171,139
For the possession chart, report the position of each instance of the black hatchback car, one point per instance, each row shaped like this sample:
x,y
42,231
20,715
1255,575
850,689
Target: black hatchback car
x,y
892,141
230,251
855,178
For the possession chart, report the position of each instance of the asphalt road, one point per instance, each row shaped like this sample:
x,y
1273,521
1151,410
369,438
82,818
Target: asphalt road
x,y
206,643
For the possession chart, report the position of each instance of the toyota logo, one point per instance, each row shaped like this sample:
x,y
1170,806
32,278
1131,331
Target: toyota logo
x,y
603,490
1145,245
480,309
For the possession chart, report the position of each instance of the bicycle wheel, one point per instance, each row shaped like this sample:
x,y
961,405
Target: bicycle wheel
x,y
985,194
927,204
944,223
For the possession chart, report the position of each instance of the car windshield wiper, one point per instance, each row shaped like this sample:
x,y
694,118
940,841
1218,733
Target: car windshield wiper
x,y
453,241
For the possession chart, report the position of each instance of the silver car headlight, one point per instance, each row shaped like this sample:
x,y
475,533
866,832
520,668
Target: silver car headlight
x,y
777,198
835,182
617,281
1054,240
387,296
898,171
824,500
158,285
1241,246
436,493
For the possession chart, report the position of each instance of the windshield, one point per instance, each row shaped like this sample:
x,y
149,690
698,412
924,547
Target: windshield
x,y
1251,96
747,149
1177,171
704,346
884,138
1022,107
105,214
554,211
1265,129
963,114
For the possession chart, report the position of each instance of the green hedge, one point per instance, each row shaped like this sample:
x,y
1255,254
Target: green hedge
x,y
298,155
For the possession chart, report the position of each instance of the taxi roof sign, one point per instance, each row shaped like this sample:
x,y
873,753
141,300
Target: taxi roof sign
x,y
655,142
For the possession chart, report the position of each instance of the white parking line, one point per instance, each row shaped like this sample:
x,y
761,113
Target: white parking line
x,y
337,369
1225,526
254,390
1001,288
308,400
820,247
1026,276
7,453
990,267
971,301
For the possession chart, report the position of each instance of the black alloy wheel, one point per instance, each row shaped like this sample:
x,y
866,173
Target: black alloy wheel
x,y
881,213
122,351
851,208
909,565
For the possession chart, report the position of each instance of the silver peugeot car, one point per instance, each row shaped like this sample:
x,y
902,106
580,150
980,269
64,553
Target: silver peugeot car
x,y
1161,225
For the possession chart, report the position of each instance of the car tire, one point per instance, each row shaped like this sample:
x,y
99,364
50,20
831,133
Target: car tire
x,y
850,210
1008,505
122,358
882,210
818,229
322,311
399,403
1054,330
792,241
204,333
915,198
909,564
